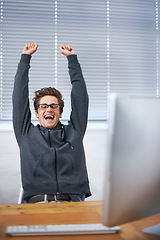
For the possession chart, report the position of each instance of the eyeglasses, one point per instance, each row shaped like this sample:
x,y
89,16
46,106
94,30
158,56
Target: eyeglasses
x,y
45,105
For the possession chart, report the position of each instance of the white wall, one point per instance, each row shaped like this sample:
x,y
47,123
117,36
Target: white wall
x,y
9,168
95,145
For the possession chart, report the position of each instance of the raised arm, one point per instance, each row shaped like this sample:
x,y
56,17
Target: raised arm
x,y
79,96
21,110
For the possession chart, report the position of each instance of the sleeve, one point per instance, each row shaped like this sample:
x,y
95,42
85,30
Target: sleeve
x,y
20,99
79,96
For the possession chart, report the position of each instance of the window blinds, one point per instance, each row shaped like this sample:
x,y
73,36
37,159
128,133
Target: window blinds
x,y
133,38
117,43
52,23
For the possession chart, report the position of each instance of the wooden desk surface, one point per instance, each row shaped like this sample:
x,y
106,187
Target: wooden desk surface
x,y
69,213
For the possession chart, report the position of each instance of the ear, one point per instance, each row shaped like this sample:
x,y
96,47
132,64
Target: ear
x,y
36,113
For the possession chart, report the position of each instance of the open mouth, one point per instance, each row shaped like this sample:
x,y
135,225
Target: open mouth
x,y
49,117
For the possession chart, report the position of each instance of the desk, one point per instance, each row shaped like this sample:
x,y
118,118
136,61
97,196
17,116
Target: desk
x,y
71,213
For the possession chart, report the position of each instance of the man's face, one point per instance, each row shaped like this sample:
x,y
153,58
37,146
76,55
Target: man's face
x,y
48,117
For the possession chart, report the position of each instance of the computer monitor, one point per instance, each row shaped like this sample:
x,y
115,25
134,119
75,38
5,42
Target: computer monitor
x,y
132,171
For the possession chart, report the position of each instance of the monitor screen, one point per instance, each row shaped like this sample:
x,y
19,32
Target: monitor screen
x,y
132,171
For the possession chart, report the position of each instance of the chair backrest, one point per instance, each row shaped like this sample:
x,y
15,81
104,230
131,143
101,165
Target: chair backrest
x,y
20,198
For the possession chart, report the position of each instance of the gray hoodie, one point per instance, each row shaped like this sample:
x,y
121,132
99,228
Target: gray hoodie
x,y
52,160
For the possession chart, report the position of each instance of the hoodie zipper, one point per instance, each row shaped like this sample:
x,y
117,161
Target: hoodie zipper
x,y
49,137
54,150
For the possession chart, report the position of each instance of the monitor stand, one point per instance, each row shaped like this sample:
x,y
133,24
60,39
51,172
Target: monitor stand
x,y
155,230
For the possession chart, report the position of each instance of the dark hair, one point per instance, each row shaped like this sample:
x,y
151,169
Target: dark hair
x,y
48,91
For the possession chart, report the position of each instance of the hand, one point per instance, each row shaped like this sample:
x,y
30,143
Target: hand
x,y
30,48
66,50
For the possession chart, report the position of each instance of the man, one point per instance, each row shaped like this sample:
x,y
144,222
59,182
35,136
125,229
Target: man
x,y
53,166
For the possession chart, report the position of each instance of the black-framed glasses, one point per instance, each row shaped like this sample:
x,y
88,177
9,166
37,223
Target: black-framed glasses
x,y
45,105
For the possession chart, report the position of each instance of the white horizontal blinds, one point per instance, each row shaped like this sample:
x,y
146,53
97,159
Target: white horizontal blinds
x,y
132,46
25,21
117,43
1,55
51,23
83,25
158,44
